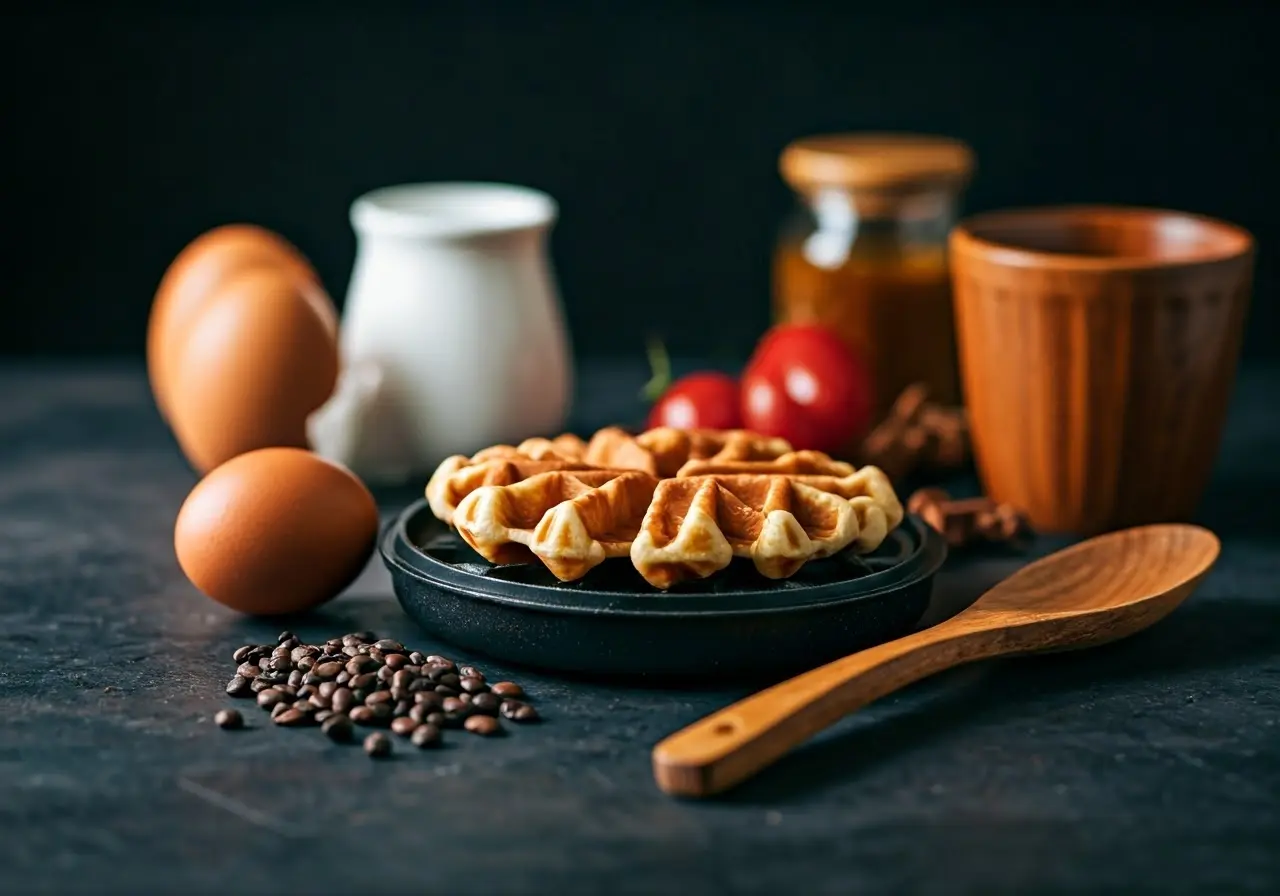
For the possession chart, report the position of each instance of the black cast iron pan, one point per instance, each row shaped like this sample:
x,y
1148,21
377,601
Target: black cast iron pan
x,y
736,624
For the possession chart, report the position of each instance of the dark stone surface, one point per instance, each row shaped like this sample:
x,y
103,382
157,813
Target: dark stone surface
x,y
1152,765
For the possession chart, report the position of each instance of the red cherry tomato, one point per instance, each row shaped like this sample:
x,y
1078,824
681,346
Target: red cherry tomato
x,y
699,401
808,387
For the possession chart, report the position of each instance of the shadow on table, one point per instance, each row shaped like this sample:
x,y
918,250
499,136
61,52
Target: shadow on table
x,y
1242,508
1200,636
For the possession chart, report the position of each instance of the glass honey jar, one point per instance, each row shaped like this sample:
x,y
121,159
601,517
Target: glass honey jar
x,y
865,252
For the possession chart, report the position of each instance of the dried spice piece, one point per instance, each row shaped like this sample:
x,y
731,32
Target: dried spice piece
x,y
967,521
918,434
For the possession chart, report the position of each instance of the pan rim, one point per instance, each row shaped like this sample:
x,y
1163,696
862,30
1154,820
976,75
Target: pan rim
x,y
924,563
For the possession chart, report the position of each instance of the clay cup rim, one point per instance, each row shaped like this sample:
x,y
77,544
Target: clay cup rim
x,y
1098,237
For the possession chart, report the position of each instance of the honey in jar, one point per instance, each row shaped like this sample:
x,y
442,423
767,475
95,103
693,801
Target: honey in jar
x,y
865,254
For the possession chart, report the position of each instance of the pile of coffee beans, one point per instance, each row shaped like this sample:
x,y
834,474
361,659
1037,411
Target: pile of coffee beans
x,y
362,680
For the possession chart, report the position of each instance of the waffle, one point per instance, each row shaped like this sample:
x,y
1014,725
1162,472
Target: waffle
x,y
680,504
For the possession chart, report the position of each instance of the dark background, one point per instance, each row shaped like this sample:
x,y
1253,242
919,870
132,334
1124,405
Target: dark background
x,y
129,129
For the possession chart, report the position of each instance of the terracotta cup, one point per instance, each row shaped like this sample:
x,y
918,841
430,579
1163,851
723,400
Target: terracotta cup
x,y
1098,347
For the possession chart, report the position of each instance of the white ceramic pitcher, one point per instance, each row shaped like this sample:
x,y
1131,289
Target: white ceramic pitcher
x,y
452,335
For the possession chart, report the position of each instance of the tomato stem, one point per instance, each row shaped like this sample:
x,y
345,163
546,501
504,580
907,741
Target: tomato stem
x,y
660,370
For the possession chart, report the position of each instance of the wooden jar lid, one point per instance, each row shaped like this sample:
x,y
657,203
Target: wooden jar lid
x,y
876,162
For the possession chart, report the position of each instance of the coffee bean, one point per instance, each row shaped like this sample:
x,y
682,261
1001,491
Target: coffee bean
x,y
429,699
327,670
290,718
381,712
517,711
425,736
338,727
453,705
229,719
363,715
368,681
359,679
485,726
486,703
403,726
377,745
473,685
358,665
269,698
342,700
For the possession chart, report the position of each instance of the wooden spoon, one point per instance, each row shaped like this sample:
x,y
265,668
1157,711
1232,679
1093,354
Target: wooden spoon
x,y
1097,591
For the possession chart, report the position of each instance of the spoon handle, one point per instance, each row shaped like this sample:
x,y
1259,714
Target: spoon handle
x,y
729,746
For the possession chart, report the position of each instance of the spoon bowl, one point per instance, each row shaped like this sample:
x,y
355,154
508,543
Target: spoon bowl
x,y
1095,592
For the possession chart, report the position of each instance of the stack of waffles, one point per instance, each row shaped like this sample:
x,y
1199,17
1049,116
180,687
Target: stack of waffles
x,y
681,504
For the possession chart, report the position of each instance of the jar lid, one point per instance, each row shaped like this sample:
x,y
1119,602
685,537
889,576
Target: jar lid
x,y
875,161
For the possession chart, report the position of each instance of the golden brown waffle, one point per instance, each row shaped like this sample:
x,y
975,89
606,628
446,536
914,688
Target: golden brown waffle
x,y
695,525
570,520
680,504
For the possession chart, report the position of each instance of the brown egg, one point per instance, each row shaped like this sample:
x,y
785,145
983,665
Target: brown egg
x,y
275,531
261,355
195,275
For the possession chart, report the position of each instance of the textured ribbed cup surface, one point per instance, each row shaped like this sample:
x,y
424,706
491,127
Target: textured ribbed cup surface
x,y
1097,383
